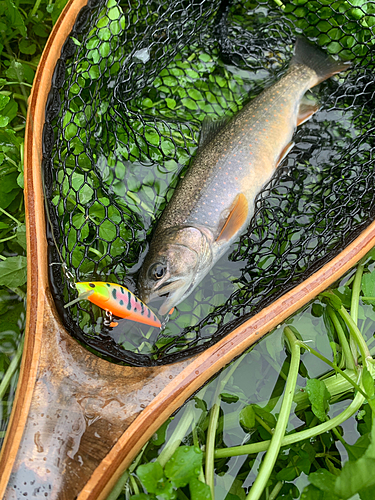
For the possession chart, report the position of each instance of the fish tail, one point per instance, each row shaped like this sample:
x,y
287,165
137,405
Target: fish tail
x,y
323,65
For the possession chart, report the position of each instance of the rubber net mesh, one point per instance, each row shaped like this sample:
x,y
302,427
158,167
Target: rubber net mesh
x,y
129,94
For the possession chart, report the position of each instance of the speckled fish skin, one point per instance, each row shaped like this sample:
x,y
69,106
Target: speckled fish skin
x,y
118,300
214,203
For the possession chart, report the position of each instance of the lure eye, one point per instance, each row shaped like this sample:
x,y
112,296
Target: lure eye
x,y
157,271
92,285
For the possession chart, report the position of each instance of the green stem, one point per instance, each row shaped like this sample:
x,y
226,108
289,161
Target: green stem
x,y
356,290
119,486
179,433
35,8
196,443
334,367
134,485
19,292
9,238
210,447
249,449
349,361
19,96
18,83
117,490
275,491
11,370
10,216
338,436
353,328
282,422
9,160
263,424
177,436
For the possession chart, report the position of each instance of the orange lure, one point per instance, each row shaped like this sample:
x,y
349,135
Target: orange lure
x,y
118,300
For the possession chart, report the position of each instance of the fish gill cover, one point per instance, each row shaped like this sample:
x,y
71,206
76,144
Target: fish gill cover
x,y
133,85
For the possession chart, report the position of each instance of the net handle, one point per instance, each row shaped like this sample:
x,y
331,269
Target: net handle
x,y
37,268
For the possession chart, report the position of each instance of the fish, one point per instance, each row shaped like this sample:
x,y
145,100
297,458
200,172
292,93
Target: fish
x,y
214,203
118,300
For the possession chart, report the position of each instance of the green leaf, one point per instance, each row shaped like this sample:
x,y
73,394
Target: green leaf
x,y
354,477
199,490
14,17
20,72
368,284
4,99
13,271
287,474
184,464
142,496
10,110
247,417
159,437
368,382
229,398
332,299
312,493
4,120
26,47
57,9
21,236
357,450
323,480
319,397
151,474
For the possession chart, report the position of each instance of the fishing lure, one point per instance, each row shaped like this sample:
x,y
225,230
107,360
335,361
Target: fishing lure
x,y
117,301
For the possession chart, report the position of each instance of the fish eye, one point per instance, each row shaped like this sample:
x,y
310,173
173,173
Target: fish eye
x,y
92,285
157,271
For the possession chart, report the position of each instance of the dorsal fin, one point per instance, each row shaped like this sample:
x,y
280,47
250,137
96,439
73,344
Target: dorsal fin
x,y
236,218
210,128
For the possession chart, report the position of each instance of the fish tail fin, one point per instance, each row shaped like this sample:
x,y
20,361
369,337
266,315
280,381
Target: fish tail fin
x,y
315,59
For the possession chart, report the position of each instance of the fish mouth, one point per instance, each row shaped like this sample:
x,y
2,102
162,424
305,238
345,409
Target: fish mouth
x,y
171,292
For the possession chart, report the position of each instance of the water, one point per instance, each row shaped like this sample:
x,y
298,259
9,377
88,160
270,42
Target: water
x,y
111,209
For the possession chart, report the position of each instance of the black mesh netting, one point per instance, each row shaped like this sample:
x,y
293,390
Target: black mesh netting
x,y
129,94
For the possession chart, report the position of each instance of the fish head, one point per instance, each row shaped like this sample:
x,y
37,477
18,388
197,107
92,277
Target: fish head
x,y
176,262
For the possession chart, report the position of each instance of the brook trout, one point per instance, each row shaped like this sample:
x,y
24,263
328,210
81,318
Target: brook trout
x,y
214,203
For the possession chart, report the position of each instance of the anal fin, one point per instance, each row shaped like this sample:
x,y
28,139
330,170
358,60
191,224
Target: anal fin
x,y
236,218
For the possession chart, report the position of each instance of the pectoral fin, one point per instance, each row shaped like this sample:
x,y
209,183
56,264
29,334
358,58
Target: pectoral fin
x,y
306,109
284,152
236,218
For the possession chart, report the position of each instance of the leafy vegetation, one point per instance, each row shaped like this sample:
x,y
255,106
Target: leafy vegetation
x,y
313,450
233,419
24,29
